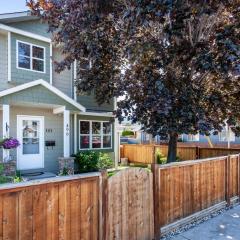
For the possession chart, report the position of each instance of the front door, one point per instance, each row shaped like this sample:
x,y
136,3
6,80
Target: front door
x,y
30,131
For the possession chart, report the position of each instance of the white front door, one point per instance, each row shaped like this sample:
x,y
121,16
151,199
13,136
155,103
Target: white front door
x,y
30,132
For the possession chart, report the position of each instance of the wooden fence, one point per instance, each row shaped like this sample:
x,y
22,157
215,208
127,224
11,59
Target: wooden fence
x,y
57,210
129,205
88,206
146,154
186,188
133,204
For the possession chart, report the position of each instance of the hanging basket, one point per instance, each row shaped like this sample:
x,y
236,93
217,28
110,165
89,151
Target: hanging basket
x,y
10,143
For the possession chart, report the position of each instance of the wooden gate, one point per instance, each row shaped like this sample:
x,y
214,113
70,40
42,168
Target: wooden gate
x,y
129,205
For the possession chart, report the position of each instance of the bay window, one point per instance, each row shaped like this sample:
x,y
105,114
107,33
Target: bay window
x,y
95,135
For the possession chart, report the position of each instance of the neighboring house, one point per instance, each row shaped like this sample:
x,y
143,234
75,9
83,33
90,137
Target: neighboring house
x,y
40,107
223,138
135,128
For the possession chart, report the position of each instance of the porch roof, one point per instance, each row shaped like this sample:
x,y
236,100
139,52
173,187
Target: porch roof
x,y
39,92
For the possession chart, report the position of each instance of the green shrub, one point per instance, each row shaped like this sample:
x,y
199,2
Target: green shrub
x,y
86,161
91,161
3,179
127,133
161,159
104,161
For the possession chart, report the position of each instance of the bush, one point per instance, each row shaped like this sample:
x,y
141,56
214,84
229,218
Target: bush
x,y
86,161
3,179
127,133
90,161
104,161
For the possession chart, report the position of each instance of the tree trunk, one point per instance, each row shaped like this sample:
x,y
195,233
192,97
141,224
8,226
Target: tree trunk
x,y
172,148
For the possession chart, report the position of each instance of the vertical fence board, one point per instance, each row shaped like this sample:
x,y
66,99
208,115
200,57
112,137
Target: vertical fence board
x,y
52,211
10,216
25,214
85,210
75,210
1,217
39,212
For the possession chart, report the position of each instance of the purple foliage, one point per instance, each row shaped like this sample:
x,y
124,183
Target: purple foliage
x,y
10,143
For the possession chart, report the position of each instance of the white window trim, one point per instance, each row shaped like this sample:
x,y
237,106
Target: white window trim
x,y
195,140
91,135
31,57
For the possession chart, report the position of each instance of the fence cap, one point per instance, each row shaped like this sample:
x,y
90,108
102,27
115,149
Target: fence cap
x,y
49,180
193,162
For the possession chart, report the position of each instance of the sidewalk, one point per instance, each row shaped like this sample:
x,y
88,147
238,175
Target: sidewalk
x,y
223,227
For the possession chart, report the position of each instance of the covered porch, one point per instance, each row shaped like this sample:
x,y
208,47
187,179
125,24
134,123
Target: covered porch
x,y
41,118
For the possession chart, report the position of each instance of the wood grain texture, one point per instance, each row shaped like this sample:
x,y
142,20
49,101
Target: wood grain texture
x,y
185,189
66,210
130,205
146,154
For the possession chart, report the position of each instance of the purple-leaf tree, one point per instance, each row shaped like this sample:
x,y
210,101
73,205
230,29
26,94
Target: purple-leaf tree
x,y
176,62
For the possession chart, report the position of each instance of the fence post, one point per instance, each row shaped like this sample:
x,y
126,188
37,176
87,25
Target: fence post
x,y
156,200
103,211
197,152
227,182
238,177
154,154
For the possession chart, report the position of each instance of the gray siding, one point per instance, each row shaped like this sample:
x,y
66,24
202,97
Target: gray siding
x,y
20,76
36,95
63,80
35,26
4,63
91,104
51,121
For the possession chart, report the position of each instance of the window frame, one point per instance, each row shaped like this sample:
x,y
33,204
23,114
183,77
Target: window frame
x,y
31,57
91,135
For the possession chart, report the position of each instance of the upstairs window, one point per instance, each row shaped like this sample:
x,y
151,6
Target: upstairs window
x,y
30,57
95,135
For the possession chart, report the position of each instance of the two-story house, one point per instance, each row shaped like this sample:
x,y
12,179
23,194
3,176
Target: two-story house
x,y
40,107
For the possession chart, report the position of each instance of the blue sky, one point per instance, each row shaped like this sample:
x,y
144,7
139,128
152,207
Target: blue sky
x,y
7,6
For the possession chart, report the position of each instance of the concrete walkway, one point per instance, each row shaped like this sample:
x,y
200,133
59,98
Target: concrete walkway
x,y
223,227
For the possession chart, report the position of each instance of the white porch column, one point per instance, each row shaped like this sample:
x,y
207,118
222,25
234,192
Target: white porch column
x,y
116,143
5,127
75,133
66,133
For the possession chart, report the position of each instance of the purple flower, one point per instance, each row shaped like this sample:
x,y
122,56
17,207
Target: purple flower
x,y
10,143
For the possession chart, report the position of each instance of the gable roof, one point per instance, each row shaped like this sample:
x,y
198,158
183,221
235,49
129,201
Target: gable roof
x,y
45,84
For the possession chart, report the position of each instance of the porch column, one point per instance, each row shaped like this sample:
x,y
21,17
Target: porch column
x,y
5,127
66,133
75,133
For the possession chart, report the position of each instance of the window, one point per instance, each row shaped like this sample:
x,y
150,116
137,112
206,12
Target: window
x,y
223,136
95,135
193,138
30,57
